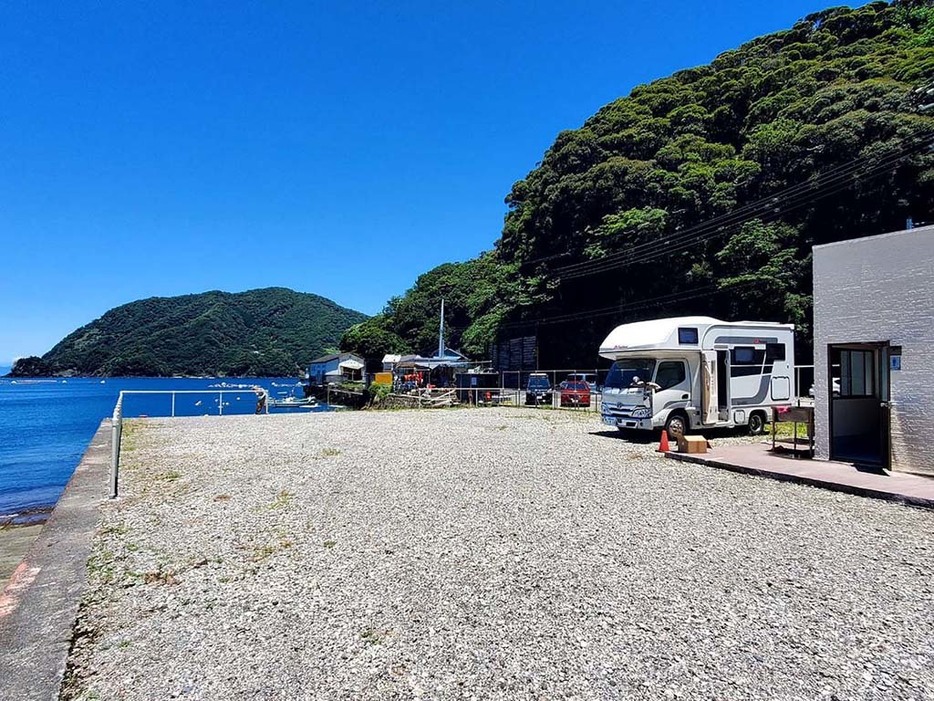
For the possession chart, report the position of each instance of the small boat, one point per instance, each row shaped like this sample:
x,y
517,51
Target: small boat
x,y
293,403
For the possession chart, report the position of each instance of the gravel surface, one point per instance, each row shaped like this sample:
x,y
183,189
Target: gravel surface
x,y
492,553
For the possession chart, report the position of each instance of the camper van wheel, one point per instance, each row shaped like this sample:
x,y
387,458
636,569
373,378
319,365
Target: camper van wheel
x,y
676,425
756,423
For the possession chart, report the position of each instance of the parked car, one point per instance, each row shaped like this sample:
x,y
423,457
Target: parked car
x,y
834,388
588,377
539,389
575,394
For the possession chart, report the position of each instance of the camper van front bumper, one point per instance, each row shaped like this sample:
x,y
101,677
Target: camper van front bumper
x,y
627,422
626,415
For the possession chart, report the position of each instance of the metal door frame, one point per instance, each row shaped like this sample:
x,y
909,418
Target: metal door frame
x,y
880,350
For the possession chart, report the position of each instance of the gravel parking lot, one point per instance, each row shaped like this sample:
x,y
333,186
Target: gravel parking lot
x,y
490,553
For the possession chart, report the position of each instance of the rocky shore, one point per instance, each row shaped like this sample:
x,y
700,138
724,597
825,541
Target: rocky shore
x,y
498,553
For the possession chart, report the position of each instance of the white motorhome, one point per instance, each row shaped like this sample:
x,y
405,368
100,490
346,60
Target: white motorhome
x,y
696,372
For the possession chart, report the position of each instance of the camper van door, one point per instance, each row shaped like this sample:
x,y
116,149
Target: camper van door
x,y
709,375
674,385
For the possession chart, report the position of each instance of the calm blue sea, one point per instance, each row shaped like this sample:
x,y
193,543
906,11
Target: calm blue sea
x,y
46,425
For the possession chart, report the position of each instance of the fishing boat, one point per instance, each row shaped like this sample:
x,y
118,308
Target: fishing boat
x,y
292,402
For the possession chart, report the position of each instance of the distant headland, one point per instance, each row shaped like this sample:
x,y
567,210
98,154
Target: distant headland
x,y
260,333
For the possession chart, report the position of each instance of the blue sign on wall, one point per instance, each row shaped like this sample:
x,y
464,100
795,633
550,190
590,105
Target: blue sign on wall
x,y
895,362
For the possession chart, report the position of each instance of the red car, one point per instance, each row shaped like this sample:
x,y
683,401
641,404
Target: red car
x,y
575,394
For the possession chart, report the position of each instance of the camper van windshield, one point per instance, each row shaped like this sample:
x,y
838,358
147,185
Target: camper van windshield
x,y
623,371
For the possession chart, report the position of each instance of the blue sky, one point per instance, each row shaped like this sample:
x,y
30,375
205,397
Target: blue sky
x,y
340,148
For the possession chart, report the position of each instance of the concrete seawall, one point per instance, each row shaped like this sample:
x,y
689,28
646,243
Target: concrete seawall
x,y
40,602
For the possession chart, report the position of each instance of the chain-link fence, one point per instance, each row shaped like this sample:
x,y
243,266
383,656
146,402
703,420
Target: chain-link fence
x,y
568,388
554,397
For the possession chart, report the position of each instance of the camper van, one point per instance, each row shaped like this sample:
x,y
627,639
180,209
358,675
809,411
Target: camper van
x,y
695,372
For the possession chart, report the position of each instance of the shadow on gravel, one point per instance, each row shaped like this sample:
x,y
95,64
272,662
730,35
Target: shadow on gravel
x,y
645,437
642,437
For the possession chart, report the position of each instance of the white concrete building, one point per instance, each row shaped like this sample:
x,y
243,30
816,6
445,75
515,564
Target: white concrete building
x,y
874,350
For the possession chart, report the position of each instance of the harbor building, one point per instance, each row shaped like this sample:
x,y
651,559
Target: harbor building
x,y
874,350
335,369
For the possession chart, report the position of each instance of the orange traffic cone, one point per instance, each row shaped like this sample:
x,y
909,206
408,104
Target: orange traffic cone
x,y
663,444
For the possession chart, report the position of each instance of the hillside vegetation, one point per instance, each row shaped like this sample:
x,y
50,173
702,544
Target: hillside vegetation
x,y
609,228
267,332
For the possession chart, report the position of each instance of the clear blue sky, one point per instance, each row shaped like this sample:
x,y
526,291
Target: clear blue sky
x,y
166,148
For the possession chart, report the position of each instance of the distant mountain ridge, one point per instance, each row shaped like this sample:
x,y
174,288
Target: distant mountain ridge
x,y
267,332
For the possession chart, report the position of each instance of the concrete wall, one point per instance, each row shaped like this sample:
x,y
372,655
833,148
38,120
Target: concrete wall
x,y
881,289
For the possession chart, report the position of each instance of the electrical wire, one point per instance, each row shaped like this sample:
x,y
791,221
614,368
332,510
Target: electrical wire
x,y
836,173
656,301
778,203
663,248
767,209
774,206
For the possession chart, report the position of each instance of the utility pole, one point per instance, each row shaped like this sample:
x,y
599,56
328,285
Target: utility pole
x,y
441,332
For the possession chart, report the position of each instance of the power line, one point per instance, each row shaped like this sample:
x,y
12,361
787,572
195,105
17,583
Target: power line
x,y
834,174
786,200
659,300
665,248
772,207
839,177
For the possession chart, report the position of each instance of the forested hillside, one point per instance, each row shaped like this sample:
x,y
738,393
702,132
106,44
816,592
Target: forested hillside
x,y
702,192
267,332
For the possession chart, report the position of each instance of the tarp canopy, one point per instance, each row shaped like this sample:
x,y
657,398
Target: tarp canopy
x,y
431,364
412,365
351,365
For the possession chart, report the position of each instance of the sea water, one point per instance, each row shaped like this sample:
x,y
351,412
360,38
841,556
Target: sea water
x,y
46,425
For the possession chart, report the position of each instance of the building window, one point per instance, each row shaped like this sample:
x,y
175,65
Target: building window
x,y
857,373
670,374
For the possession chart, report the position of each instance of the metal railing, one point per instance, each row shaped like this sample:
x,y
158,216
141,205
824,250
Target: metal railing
x,y
496,396
518,379
116,423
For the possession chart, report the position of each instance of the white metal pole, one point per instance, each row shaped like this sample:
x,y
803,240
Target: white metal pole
x,y
116,426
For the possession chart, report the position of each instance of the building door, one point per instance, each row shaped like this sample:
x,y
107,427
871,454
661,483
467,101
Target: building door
x,y
859,415
709,374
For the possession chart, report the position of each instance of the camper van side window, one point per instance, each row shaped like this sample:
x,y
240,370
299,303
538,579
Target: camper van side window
x,y
774,351
687,336
746,355
670,374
